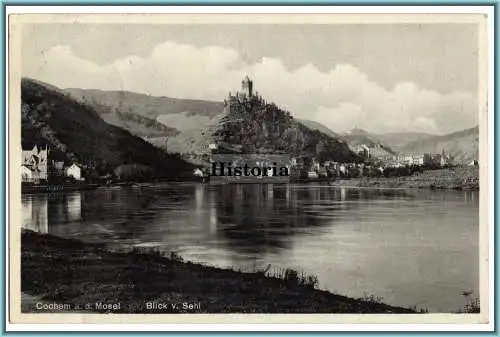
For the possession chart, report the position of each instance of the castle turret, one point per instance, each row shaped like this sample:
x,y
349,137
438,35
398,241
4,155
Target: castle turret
x,y
247,86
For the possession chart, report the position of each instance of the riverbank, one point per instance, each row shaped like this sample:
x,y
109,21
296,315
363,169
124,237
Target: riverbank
x,y
458,178
71,275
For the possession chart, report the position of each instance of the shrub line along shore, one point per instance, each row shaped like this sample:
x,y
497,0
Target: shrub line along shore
x,y
68,275
464,178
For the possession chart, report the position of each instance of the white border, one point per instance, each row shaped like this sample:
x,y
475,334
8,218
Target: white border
x,y
252,9
6,176
487,10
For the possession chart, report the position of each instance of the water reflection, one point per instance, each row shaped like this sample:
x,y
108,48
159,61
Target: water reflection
x,y
35,213
410,247
257,219
74,207
40,210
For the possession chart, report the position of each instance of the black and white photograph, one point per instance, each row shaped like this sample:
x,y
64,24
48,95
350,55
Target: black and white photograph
x,y
250,164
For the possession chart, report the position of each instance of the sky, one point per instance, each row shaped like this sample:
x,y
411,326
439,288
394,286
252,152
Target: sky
x,y
379,77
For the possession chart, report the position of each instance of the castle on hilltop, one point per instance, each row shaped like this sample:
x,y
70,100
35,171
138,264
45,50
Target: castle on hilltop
x,y
247,93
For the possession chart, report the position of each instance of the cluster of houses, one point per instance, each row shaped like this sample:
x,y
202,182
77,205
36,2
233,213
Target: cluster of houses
x,y
37,168
380,160
313,169
387,159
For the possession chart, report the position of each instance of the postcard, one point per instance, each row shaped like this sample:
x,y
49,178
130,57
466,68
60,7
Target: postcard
x,y
250,168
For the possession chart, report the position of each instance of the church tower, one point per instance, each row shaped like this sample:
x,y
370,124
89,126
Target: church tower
x,y
247,86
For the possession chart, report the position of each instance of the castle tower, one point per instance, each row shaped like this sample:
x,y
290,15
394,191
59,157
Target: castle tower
x,y
247,86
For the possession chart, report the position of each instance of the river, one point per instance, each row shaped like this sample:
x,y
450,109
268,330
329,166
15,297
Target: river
x,y
406,247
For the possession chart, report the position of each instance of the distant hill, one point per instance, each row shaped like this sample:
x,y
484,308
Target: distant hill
x,y
137,124
462,145
173,124
358,136
144,105
352,137
74,131
193,140
144,115
313,125
398,140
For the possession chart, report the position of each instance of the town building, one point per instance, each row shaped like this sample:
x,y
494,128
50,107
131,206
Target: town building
x,y
435,159
74,171
362,150
375,151
445,159
378,151
412,159
26,174
198,172
35,161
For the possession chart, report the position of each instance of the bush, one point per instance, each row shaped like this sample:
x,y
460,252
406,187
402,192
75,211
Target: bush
x,y
473,306
311,281
176,257
293,278
371,298
134,172
291,275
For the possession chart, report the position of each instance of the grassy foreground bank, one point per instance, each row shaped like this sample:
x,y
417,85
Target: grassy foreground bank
x,y
67,275
458,178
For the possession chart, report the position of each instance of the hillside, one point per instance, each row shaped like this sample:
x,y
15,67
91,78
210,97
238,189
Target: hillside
x,y
398,140
74,131
260,127
393,142
144,105
136,124
153,118
463,145
313,125
358,136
